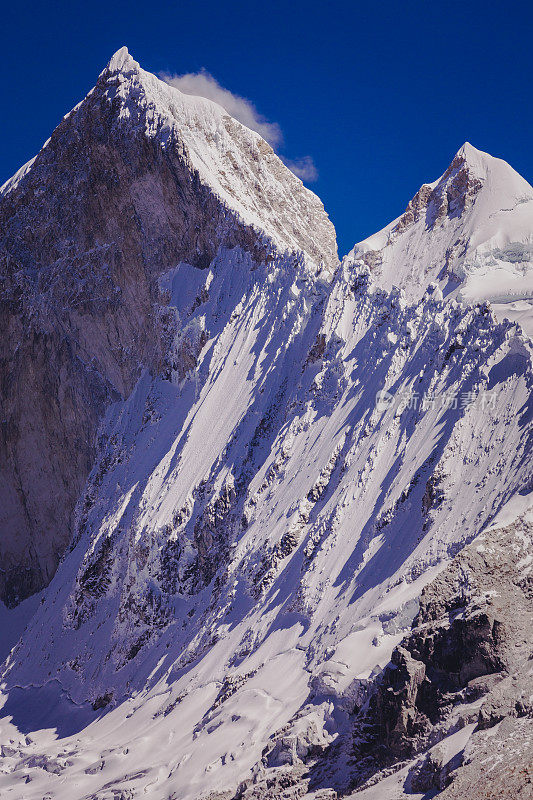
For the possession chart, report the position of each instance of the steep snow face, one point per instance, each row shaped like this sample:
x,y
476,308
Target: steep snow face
x,y
471,231
254,536
137,179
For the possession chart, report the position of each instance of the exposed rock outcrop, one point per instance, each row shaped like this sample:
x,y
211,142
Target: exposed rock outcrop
x,y
465,672
466,661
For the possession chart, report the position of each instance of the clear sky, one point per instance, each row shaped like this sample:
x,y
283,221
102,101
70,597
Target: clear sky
x,y
379,94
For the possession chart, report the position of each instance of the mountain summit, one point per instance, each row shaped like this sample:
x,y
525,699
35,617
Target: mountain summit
x,y
470,231
278,509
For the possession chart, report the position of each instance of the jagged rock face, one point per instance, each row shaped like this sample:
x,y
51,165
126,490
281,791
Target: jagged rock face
x,y
467,659
454,193
464,670
111,202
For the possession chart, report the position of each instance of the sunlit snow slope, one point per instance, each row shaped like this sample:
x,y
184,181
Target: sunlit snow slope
x,y
258,525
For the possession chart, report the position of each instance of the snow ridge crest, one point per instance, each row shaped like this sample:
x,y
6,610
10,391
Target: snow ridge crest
x,y
122,61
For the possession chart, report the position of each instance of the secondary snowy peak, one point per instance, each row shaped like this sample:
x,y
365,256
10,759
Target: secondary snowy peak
x,y
471,231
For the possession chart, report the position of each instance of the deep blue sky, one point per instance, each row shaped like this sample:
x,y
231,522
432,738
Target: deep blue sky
x,y
381,95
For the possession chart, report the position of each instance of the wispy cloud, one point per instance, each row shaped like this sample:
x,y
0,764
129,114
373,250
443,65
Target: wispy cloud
x,y
203,84
304,168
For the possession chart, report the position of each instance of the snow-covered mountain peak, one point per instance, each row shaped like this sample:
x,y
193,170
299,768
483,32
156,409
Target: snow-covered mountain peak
x,y
137,179
471,231
121,61
236,163
489,167
477,160
468,150
233,163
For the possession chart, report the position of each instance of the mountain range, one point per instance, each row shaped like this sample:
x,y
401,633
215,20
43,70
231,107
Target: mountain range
x,y
265,515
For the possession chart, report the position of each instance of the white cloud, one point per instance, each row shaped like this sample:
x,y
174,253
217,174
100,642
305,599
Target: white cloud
x,y
203,84
304,168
